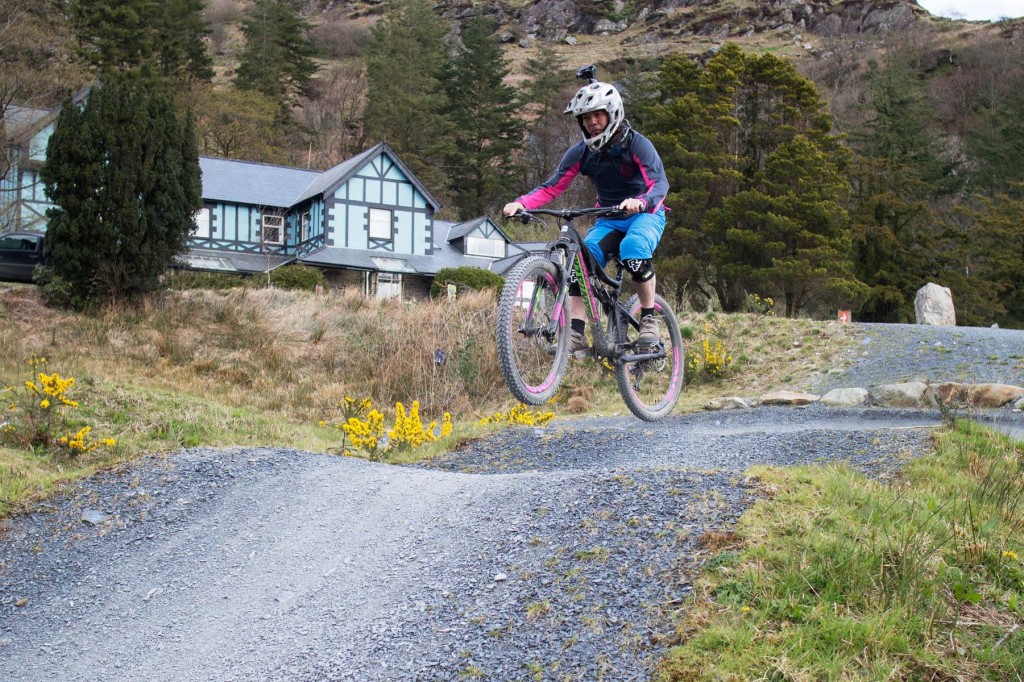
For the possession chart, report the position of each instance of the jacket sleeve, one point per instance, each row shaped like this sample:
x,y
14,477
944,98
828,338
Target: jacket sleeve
x,y
653,171
568,168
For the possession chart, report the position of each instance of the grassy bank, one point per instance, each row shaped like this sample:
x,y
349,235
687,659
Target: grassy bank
x,y
837,577
265,367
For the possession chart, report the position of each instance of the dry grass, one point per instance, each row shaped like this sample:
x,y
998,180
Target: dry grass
x,y
262,367
291,353
297,354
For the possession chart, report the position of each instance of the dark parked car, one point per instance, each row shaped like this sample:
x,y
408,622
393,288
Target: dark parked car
x,y
19,253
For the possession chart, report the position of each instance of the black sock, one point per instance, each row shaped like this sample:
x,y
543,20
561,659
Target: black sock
x,y
644,312
579,325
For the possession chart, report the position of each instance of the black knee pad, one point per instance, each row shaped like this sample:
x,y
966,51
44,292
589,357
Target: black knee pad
x,y
640,269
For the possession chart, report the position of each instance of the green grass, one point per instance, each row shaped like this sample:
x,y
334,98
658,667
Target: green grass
x,y
837,577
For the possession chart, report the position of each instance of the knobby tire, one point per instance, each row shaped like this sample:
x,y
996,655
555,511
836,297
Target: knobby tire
x,y
650,388
532,360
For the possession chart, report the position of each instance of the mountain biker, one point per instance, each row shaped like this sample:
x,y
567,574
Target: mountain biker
x,y
627,173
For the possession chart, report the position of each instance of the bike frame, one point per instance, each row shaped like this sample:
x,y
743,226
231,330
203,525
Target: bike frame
x,y
574,261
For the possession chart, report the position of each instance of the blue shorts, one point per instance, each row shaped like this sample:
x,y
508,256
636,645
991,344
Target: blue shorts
x,y
640,234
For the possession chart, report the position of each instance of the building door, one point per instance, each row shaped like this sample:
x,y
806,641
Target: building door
x,y
389,285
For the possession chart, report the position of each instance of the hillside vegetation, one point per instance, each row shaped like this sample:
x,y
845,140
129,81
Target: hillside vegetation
x,y
824,154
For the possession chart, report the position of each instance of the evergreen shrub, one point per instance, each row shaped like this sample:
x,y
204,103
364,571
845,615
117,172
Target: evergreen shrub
x,y
297,277
465,278
191,279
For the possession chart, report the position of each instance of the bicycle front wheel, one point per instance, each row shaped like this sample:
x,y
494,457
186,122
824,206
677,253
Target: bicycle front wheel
x,y
533,331
650,386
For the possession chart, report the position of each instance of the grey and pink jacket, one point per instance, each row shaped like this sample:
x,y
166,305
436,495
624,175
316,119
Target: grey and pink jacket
x,y
630,170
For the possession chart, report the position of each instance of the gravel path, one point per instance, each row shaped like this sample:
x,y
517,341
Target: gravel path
x,y
548,553
892,353
282,565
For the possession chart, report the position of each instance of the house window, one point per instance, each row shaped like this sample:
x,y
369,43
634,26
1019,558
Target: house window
x,y
272,231
389,285
380,224
490,248
304,227
202,224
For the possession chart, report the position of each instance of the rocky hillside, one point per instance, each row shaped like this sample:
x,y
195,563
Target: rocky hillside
x,y
609,30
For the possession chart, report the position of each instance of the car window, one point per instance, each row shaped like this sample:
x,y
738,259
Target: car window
x,y
17,243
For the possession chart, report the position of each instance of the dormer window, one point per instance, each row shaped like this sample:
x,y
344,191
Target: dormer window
x,y
488,248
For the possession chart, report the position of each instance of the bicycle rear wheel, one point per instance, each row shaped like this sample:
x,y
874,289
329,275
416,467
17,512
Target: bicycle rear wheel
x,y
532,335
650,387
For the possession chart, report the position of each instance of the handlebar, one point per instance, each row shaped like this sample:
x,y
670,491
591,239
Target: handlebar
x,y
570,213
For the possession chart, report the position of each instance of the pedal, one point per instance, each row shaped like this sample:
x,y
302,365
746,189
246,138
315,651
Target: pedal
x,y
582,354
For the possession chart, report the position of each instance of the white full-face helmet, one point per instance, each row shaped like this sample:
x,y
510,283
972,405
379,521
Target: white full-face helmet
x,y
595,97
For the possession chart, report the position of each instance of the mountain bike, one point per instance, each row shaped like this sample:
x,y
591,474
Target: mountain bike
x,y
533,324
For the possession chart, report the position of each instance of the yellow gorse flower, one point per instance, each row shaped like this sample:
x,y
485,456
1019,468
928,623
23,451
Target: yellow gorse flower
x,y
519,415
364,428
38,418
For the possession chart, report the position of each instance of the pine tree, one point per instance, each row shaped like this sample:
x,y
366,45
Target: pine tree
x,y
277,59
119,35
483,110
406,103
982,254
180,30
788,233
756,184
115,34
124,174
893,238
549,132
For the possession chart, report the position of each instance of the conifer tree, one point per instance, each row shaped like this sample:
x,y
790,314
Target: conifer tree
x,y
119,35
406,103
277,59
115,34
787,233
982,259
549,132
483,111
893,237
735,137
180,30
124,174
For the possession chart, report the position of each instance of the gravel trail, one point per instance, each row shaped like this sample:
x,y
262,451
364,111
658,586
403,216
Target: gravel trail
x,y
539,553
280,565
893,353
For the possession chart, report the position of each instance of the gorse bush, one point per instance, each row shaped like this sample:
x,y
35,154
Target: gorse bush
x,y
364,428
711,360
36,415
760,306
520,415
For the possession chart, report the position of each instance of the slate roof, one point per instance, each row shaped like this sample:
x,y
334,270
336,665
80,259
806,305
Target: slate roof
x,y
256,184
23,122
385,261
231,261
